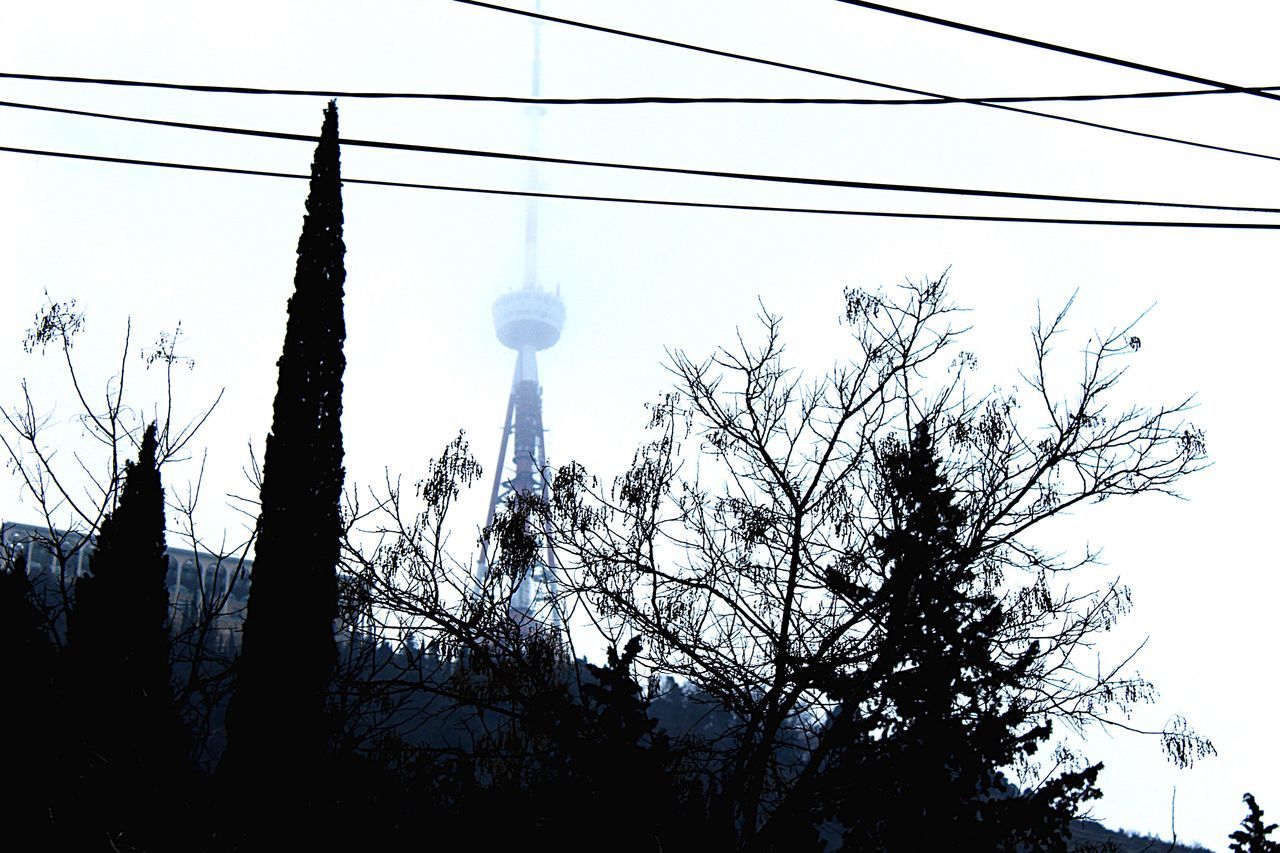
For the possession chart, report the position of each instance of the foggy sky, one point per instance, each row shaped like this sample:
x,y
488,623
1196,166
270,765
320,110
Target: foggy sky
x,y
216,252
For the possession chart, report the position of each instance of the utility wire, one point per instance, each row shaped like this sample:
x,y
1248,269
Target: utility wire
x,y
636,99
704,173
1057,48
772,63
1133,223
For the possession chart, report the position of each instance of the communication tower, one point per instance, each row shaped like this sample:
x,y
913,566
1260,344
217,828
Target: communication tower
x,y
527,320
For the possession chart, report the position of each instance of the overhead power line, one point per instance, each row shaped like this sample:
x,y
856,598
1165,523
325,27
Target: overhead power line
x,y
1130,223
638,167
1057,48
634,99
772,63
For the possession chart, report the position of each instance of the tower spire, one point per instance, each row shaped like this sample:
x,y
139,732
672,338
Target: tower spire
x,y
526,320
534,113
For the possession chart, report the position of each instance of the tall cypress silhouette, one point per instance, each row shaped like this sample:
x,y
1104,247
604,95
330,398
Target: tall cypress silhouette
x,y
276,722
126,750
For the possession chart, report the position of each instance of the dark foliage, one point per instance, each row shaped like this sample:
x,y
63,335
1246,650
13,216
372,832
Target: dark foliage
x,y
913,756
1253,832
276,725
576,760
26,669
126,755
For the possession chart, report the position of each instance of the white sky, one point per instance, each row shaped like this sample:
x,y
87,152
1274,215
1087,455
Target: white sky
x,y
216,252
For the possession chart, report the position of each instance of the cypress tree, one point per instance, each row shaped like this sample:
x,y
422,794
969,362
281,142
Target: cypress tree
x,y
26,673
276,726
126,745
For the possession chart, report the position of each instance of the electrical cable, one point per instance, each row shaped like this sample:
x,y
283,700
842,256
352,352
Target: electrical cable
x,y
705,173
1245,226
636,99
1057,48
772,63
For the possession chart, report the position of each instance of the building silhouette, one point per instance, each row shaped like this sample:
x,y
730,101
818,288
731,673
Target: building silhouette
x,y
202,586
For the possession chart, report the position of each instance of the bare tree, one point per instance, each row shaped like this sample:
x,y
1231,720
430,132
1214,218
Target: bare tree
x,y
402,582
744,548
742,543
76,492
70,471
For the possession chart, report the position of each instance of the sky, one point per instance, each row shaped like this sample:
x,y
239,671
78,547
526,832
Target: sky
x,y
215,252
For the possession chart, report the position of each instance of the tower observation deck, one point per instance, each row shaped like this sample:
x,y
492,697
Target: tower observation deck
x,y
527,320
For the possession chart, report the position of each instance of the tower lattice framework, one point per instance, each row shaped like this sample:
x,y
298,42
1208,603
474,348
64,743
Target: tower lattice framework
x,y
526,320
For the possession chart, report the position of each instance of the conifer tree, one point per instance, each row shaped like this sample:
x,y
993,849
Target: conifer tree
x,y
928,741
276,726
26,672
1252,836
127,746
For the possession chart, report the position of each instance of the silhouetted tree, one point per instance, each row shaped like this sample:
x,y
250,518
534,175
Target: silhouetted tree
x,y
276,725
112,760
27,659
1252,836
126,743
843,572
630,766
573,759
913,757
781,565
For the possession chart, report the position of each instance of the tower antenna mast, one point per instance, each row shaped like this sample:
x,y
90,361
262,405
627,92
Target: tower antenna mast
x,y
527,320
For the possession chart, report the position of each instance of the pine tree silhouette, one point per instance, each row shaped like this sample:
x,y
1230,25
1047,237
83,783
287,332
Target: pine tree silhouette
x,y
1252,836
940,716
127,746
276,726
